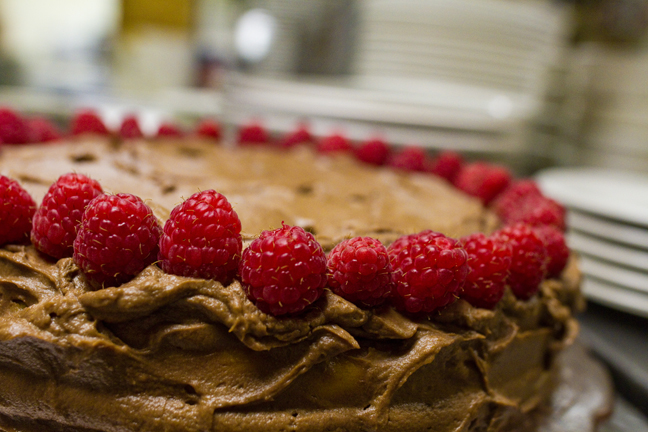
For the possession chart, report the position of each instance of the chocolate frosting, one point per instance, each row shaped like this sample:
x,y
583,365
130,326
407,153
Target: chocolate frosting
x,y
164,352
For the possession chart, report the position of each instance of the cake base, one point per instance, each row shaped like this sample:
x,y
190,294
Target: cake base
x,y
583,398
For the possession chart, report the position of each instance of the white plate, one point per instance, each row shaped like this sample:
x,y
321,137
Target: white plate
x,y
618,298
613,274
608,229
615,194
608,251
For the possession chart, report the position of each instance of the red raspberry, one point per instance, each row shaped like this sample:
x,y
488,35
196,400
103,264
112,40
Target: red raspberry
x,y
557,250
447,165
202,238
130,128
210,129
489,261
284,270
253,134
57,219
16,211
169,130
88,121
300,136
13,128
359,271
538,210
336,143
42,130
529,259
428,271
411,158
509,200
483,180
117,238
374,152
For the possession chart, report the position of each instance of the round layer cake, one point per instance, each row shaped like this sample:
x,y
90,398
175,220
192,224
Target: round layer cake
x,y
172,353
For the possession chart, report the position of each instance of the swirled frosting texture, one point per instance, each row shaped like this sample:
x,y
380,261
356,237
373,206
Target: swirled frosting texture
x,y
163,352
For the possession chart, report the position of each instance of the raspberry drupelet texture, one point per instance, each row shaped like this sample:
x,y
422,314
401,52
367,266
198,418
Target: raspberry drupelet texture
x,y
210,129
428,271
336,143
117,238
509,200
359,271
446,165
284,270
529,259
374,152
42,130
16,211
14,129
489,263
58,217
88,121
538,210
412,158
557,249
301,135
130,128
483,180
169,130
253,134
202,238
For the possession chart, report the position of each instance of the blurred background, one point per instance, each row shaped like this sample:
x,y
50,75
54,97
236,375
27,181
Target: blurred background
x,y
534,83
554,89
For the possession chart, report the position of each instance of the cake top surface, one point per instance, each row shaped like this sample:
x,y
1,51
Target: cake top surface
x,y
334,197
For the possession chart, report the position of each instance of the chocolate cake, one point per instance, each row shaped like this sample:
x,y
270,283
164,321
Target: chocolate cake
x,y
173,353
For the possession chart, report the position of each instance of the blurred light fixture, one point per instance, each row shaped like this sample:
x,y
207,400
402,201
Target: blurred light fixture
x,y
253,35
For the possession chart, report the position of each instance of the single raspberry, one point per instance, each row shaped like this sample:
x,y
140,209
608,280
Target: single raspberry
x,y
538,210
253,134
14,129
169,130
489,262
428,271
16,211
359,271
483,180
411,158
335,143
301,135
529,259
374,151
117,238
58,217
210,129
202,238
447,165
88,121
557,250
42,130
284,270
130,128
509,200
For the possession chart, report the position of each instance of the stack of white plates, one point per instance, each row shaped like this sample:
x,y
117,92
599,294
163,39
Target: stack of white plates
x,y
493,43
608,227
610,85
466,74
